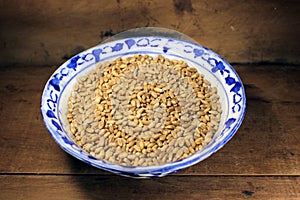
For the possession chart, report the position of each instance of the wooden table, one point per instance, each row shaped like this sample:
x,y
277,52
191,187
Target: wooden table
x,y
262,161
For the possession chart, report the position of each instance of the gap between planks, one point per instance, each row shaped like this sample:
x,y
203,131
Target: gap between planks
x,y
170,175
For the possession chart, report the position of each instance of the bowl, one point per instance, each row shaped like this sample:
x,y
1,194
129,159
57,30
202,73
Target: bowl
x,y
54,102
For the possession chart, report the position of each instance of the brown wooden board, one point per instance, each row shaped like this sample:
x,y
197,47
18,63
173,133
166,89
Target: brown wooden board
x,y
171,187
266,144
48,32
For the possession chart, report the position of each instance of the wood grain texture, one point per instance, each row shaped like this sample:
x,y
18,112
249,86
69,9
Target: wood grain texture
x,y
39,33
267,143
171,187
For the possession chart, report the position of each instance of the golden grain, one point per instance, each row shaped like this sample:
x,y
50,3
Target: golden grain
x,y
95,91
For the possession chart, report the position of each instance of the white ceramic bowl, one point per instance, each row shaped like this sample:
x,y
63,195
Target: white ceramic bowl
x,y
215,69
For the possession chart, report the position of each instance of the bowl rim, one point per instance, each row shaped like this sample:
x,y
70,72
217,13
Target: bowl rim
x,y
157,170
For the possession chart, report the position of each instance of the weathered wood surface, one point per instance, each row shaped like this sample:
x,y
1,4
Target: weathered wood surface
x,y
171,187
266,144
39,33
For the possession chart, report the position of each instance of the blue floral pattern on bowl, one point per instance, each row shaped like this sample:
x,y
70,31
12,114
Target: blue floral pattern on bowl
x,y
207,62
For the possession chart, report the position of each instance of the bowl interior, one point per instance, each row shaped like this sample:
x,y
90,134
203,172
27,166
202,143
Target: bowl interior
x,y
212,78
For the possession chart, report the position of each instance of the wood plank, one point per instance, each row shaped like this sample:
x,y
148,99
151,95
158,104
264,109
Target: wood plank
x,y
170,187
266,143
48,32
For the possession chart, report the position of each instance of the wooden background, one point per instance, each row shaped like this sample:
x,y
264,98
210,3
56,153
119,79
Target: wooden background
x,y
50,31
260,38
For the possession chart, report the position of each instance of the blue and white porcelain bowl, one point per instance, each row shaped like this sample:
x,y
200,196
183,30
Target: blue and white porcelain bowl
x,y
58,89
